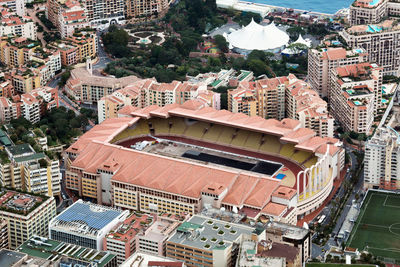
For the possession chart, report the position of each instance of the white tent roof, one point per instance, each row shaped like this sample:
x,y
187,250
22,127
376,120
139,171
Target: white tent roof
x,y
255,36
301,40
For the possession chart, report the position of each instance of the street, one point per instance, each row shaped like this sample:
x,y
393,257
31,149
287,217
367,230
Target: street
x,y
101,54
320,250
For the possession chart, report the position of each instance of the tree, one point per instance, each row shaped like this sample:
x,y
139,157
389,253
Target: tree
x,y
116,42
64,78
221,43
295,31
258,67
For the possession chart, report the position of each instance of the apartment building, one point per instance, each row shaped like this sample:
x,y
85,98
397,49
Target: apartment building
x,y
8,110
85,224
99,11
50,60
121,240
274,253
30,171
6,88
322,60
15,52
138,10
268,93
148,92
368,11
356,95
141,232
25,80
380,41
305,105
291,235
66,14
282,97
382,160
71,20
85,87
17,25
372,11
207,241
3,234
17,6
85,42
27,215
30,105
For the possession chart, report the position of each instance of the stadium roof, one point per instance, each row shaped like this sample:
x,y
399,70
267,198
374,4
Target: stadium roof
x,y
255,36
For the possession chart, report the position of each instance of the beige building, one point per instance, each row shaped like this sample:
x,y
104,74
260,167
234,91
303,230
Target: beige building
x,y
382,160
207,241
264,98
17,25
372,11
3,234
88,88
282,97
138,10
26,215
380,41
30,171
356,95
148,92
322,60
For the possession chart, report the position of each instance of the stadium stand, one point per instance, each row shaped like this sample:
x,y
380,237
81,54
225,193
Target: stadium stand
x,y
240,138
253,141
287,150
213,133
197,129
271,145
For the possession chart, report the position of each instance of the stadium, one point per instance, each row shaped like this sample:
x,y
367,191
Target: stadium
x,y
183,158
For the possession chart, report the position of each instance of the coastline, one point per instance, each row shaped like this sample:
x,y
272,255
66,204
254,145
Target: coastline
x,y
240,4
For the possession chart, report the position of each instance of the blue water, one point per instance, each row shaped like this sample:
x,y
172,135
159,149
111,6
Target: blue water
x,y
323,6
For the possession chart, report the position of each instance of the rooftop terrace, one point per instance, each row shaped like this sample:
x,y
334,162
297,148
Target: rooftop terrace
x,y
132,225
208,234
53,250
22,203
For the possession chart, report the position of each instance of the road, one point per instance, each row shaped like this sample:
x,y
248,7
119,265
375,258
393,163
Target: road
x,y
320,250
101,54
32,13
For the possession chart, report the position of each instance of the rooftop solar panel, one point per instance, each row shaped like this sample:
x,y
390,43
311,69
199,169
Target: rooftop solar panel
x,y
93,217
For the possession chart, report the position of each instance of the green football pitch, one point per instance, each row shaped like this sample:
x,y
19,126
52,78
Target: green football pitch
x,y
377,228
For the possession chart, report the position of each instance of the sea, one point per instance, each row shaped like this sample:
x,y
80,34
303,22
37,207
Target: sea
x,y
323,6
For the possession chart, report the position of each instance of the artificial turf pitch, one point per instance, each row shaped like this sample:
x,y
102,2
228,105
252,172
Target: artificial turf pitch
x,y
377,228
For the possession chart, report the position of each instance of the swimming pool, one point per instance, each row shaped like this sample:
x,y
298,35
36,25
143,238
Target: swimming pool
x,y
384,101
357,103
373,28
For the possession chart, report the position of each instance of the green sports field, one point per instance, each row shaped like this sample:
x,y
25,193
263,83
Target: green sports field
x,y
377,228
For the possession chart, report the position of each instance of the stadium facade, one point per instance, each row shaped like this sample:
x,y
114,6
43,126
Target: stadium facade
x,y
102,166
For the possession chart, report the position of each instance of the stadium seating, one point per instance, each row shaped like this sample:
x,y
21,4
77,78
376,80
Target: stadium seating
x,y
271,144
160,126
301,156
253,141
213,133
240,138
226,135
310,162
197,129
138,129
178,126
287,150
